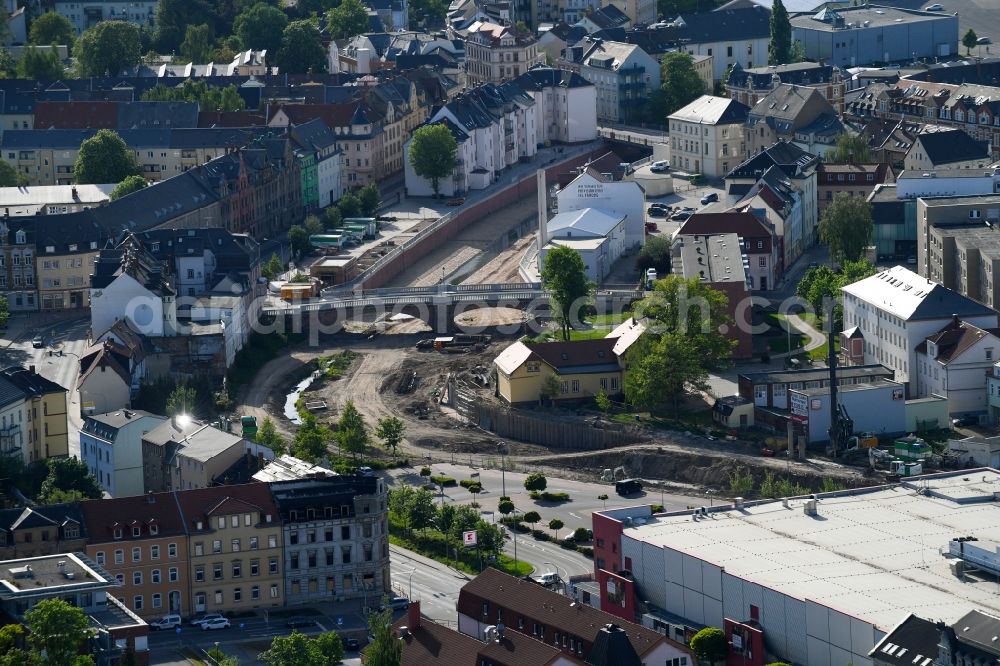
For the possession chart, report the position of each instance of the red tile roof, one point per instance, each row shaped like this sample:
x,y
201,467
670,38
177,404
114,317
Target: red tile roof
x,y
530,600
101,515
200,504
332,115
76,115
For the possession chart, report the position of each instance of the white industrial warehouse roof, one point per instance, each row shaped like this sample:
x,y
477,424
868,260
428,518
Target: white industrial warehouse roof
x,y
583,223
877,554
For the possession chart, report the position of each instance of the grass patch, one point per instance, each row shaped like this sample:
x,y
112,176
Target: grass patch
x,y
821,352
334,367
587,333
434,545
612,319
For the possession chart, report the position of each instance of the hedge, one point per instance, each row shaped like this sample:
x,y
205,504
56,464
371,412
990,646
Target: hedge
x,y
446,481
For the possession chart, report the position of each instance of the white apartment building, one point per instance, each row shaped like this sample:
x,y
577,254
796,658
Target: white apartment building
x,y
623,74
83,15
496,126
896,310
954,362
496,53
706,136
947,183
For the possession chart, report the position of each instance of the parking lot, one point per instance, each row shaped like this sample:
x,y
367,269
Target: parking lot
x,y
684,196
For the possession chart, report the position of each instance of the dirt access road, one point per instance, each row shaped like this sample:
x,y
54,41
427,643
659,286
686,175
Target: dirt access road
x,y
432,432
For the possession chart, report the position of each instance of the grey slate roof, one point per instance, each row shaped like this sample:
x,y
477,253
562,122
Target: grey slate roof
x,y
726,25
800,73
709,110
157,114
608,16
951,146
787,156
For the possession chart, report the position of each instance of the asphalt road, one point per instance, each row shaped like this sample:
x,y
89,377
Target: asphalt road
x,y
575,513
68,336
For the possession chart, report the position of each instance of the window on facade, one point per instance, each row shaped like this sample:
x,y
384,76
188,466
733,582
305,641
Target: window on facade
x,y
254,592
217,571
272,565
172,550
157,600
272,541
172,575
217,546
137,578
237,568
236,545
199,574
253,543
136,554
293,561
137,602
154,576
254,567
154,552
199,549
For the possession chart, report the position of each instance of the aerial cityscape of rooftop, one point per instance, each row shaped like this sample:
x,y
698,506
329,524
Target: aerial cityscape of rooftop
x,y
499,333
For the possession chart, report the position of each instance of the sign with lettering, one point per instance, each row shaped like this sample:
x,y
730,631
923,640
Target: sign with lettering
x,y
590,190
798,403
469,538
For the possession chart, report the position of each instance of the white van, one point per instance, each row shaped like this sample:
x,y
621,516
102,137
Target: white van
x,y
166,622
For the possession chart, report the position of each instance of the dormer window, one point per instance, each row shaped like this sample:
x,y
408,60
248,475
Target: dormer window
x,y
118,532
136,531
154,529
19,238
71,532
50,249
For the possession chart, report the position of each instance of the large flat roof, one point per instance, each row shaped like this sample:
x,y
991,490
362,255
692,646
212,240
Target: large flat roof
x,y
874,553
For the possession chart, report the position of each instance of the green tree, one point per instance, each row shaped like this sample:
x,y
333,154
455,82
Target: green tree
x,y
681,83
268,435
370,199
536,481
740,482
419,510
107,48
332,218
846,226
779,49
198,43
296,649
390,430
850,149
352,432
311,439
312,225
57,629
475,489
555,525
272,268
104,158
385,649
969,40
40,64
433,154
429,13
128,186
260,27
51,28
301,49
4,310
209,98
821,283
182,400
663,369
551,387
604,498
654,254
602,401
331,647
709,645
348,19
349,205
8,176
68,475
173,17
565,278
532,517
506,507
298,239
798,52
694,310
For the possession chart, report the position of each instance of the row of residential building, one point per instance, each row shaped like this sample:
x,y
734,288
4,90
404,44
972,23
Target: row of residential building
x,y
222,548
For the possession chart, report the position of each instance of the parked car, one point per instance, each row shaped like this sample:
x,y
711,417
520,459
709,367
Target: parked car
x,y
656,212
38,342
216,623
397,603
659,167
296,621
166,622
709,198
651,227
548,579
963,421
206,617
936,7
352,644
366,471
680,215
984,41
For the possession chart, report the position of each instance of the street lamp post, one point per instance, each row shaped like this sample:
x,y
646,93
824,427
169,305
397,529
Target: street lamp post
x,y
410,581
503,468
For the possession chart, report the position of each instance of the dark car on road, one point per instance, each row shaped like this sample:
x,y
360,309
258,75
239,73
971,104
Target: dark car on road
x,y
352,644
680,215
657,212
